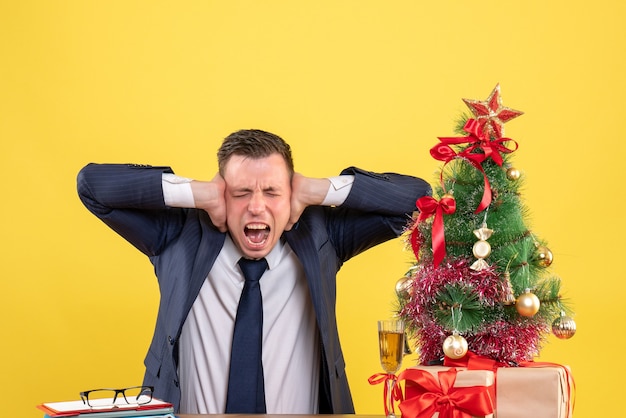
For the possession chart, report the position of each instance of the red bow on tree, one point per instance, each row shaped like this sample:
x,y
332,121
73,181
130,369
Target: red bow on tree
x,y
477,140
429,206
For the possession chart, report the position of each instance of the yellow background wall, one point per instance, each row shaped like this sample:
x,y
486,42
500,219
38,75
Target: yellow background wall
x,y
366,83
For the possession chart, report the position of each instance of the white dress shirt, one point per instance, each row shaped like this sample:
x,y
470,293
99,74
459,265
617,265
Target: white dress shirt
x,y
290,338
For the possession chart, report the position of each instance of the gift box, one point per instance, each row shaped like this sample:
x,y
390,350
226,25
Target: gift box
x,y
534,391
433,391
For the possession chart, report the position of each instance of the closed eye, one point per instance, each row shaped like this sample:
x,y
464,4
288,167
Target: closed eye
x,y
240,194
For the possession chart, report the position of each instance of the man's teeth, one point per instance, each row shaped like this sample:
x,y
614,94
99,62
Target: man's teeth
x,y
257,234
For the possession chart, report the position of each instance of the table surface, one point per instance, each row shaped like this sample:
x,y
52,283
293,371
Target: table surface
x,y
275,416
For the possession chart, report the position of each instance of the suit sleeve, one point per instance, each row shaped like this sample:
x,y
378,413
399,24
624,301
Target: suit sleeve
x,y
129,199
378,208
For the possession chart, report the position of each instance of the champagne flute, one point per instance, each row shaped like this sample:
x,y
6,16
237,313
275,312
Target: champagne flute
x,y
391,347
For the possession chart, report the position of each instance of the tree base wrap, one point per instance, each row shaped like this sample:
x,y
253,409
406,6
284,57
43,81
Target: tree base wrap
x,y
472,392
534,392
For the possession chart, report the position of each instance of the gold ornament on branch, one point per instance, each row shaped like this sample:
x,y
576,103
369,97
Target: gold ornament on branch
x,y
509,297
543,256
564,327
527,304
455,346
403,285
481,249
513,174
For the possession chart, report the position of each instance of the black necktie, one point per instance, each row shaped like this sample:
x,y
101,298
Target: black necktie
x,y
246,388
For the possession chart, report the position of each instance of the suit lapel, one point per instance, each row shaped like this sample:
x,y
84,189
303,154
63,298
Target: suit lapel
x,y
301,241
208,250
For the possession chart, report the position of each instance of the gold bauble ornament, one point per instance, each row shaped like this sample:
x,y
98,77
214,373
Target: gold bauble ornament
x,y
402,286
527,304
455,346
564,327
543,256
513,174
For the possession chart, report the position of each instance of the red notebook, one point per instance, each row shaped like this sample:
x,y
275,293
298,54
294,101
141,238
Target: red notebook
x,y
78,408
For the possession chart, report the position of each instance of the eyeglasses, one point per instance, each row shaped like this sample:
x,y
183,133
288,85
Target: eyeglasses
x,y
107,398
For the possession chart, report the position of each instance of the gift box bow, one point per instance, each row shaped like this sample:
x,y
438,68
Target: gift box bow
x,y
440,395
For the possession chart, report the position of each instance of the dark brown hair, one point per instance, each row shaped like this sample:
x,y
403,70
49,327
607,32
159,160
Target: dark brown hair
x,y
253,143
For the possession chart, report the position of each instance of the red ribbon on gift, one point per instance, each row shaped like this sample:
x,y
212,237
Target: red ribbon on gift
x,y
477,140
440,395
473,361
429,206
396,392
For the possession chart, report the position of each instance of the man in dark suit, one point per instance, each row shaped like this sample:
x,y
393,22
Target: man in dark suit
x,y
256,208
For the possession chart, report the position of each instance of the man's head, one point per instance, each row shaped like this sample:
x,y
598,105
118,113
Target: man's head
x,y
257,168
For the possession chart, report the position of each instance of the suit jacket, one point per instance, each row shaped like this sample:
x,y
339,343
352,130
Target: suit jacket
x,y
182,244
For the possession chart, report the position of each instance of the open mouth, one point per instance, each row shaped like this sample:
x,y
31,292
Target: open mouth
x,y
257,233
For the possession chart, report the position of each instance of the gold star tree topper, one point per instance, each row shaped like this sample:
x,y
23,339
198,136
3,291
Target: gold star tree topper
x,y
490,114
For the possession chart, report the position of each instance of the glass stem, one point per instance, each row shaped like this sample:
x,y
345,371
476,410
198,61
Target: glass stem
x,y
390,386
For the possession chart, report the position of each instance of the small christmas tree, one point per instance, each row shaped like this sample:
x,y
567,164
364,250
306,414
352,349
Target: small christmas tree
x,y
481,279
